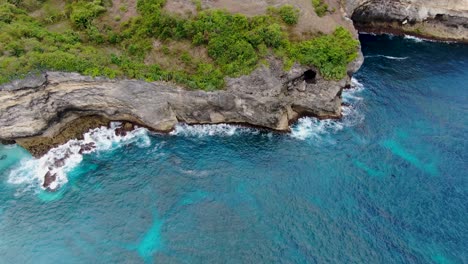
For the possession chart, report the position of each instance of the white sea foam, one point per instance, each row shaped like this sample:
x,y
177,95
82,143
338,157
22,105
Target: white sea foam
x,y
62,159
367,33
31,171
387,57
11,146
314,128
416,39
306,127
351,95
225,130
311,127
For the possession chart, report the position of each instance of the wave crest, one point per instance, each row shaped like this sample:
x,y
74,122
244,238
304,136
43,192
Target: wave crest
x,y
314,128
224,130
61,160
387,57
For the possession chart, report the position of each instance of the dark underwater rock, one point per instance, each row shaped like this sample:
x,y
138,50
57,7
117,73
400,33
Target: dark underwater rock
x,y
86,148
49,178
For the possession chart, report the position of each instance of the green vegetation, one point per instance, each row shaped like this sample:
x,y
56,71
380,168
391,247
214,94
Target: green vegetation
x,y
197,52
329,53
320,7
83,12
198,5
288,13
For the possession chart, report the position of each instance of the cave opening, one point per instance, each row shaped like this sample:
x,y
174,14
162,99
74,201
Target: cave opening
x,y
309,76
439,17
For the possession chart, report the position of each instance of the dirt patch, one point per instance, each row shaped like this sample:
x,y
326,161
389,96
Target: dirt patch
x,y
168,55
181,7
50,11
60,27
120,11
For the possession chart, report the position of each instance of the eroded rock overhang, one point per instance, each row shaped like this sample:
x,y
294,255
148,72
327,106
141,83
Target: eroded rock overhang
x,y
45,110
434,19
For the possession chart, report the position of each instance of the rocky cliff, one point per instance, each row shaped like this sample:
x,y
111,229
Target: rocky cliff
x,y
438,19
45,110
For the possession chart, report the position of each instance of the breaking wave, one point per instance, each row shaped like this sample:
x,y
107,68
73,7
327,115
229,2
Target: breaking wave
x,y
367,33
416,39
224,130
61,160
386,57
306,127
314,128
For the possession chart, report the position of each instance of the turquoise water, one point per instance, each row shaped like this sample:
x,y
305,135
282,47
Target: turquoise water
x,y
387,184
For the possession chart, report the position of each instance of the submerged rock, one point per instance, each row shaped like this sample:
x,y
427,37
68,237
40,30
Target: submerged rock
x,y
120,131
69,127
86,148
7,142
49,178
123,129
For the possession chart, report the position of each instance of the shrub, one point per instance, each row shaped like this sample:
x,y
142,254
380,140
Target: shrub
x,y
320,7
208,77
147,7
235,43
289,14
198,5
329,53
52,14
83,12
8,12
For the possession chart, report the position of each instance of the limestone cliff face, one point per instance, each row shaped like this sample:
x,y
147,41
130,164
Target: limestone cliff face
x,y
441,19
44,106
43,111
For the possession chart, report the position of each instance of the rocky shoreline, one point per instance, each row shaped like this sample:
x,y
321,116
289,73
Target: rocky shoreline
x,y
443,20
45,110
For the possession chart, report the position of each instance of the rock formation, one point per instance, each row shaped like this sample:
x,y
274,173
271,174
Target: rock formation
x,y
43,111
46,110
438,19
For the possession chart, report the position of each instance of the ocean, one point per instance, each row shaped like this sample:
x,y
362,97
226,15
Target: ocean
x,y
388,183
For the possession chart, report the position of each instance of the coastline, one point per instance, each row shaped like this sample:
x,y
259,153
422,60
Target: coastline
x,y
46,110
72,123
60,106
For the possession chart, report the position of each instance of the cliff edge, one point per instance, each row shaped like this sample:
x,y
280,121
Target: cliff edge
x,y
46,110
435,19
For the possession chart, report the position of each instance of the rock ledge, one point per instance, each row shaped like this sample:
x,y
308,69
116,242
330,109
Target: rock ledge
x,y
46,110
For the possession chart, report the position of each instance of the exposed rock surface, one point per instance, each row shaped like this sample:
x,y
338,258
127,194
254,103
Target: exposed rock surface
x,y
45,110
49,178
439,19
49,109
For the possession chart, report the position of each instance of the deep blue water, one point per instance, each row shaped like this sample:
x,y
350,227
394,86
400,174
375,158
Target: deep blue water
x,y
388,184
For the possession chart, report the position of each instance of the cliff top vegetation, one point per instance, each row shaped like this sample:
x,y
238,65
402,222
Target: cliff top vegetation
x,y
144,39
